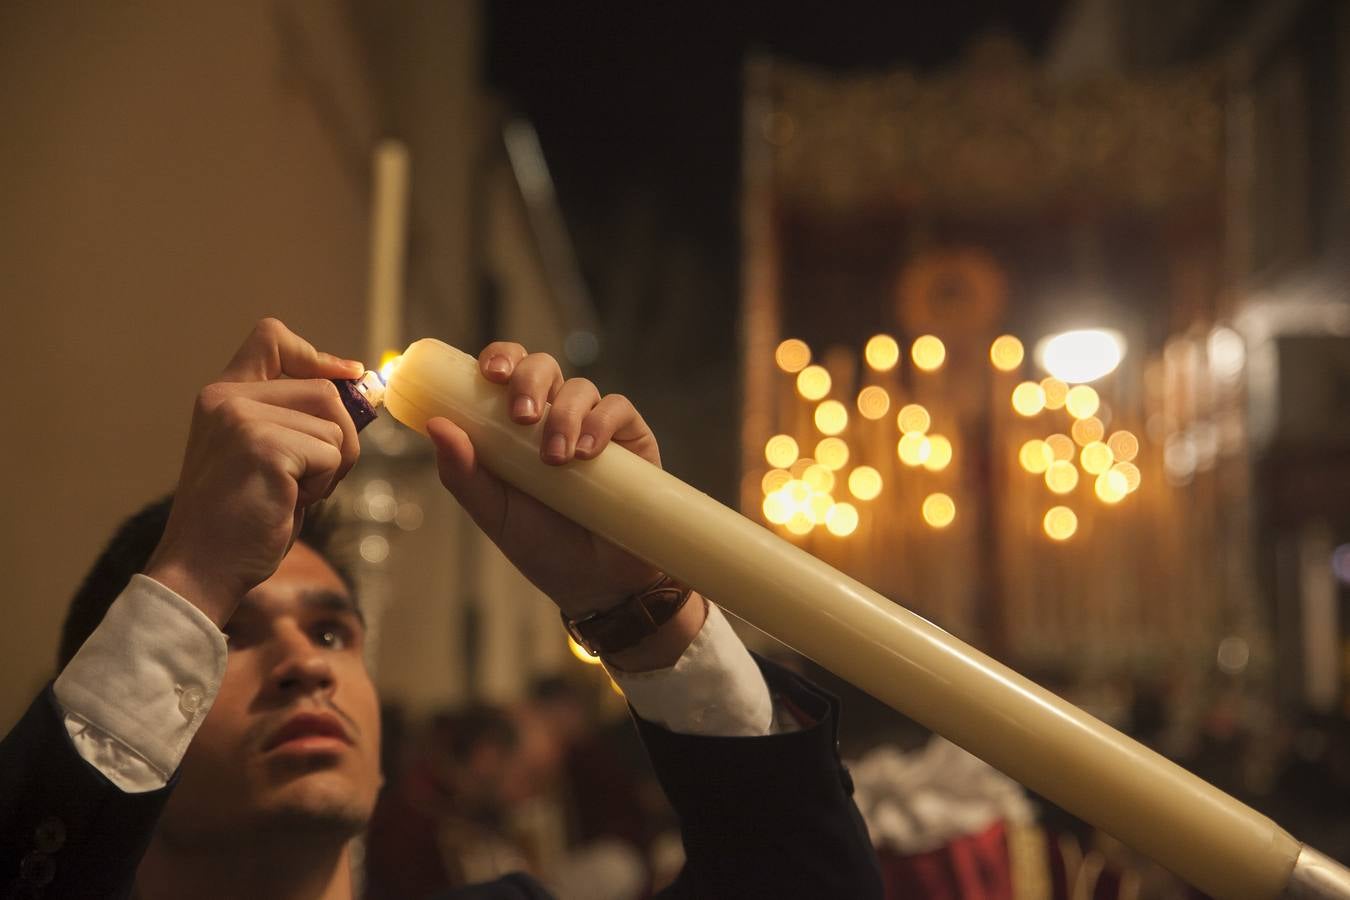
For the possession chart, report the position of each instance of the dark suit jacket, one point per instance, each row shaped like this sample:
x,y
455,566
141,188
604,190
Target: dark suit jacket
x,y
760,817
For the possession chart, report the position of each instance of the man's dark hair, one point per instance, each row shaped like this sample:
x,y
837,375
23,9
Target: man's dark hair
x,y
129,551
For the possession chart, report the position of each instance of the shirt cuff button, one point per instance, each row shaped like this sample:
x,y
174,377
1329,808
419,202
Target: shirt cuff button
x,y
190,700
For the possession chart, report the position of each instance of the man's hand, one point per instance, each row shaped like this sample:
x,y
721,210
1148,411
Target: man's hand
x,y
269,438
580,571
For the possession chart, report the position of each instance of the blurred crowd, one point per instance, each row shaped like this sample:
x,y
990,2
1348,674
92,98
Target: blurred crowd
x,y
558,785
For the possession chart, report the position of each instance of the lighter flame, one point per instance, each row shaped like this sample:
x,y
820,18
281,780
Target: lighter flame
x,y
389,360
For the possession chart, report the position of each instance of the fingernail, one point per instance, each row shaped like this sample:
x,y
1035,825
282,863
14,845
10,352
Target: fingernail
x,y
585,444
499,365
557,447
523,408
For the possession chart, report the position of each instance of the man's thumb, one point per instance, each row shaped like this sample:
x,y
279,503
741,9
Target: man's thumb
x,y
480,492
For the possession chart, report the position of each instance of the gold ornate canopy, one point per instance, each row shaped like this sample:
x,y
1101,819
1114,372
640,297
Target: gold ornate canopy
x,y
944,204
995,136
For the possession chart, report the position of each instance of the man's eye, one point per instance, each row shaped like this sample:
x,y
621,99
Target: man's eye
x,y
331,637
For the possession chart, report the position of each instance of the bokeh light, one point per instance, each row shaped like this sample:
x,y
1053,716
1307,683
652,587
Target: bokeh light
x,y
832,453
1124,445
1130,472
1056,392
882,352
813,382
940,453
792,355
800,523
1085,431
939,510
928,353
1096,458
1111,487
914,449
1035,456
1081,356
1028,398
831,417
1227,353
873,402
864,483
1060,523
819,479
1061,446
774,479
818,507
912,419
1082,401
374,548
778,507
1006,353
842,519
781,451
1061,477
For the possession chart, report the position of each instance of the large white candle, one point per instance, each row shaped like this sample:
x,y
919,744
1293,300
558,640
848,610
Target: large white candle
x,y
1202,834
388,227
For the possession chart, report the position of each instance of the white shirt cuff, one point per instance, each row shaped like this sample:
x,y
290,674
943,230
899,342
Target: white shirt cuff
x,y
714,689
136,692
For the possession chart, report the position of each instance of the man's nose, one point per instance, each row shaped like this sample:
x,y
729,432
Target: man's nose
x,y
301,667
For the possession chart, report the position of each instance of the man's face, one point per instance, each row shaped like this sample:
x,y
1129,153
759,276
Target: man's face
x,y
292,742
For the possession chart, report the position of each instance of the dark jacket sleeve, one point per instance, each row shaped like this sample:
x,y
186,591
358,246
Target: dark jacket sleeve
x,y
767,816
65,829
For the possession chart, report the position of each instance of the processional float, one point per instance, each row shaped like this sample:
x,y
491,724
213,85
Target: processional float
x,y
1213,841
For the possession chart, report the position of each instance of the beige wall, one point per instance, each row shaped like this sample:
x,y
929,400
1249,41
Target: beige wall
x,y
166,177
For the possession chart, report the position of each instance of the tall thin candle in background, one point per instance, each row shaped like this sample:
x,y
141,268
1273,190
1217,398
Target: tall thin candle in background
x,y
388,245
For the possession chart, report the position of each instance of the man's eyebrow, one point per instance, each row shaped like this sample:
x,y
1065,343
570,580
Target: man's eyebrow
x,y
334,601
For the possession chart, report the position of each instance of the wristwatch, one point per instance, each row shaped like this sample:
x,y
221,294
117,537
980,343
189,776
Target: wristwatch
x,y
639,615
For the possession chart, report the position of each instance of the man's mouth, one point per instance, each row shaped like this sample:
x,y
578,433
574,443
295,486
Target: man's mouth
x,y
309,731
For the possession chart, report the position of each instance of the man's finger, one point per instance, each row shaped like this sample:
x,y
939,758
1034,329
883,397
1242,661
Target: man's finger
x,y
617,415
612,412
498,360
481,493
573,401
273,350
248,409
317,398
312,462
535,381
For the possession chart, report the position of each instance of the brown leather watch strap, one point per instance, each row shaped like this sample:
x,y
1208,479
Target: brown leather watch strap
x,y
620,627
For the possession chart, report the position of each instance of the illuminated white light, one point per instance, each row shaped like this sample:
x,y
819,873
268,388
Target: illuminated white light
x,y
1227,353
1233,655
1078,357
1340,563
409,516
1179,458
382,507
374,548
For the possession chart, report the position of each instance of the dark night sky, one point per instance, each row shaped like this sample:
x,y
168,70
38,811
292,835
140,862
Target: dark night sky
x,y
641,95
638,109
